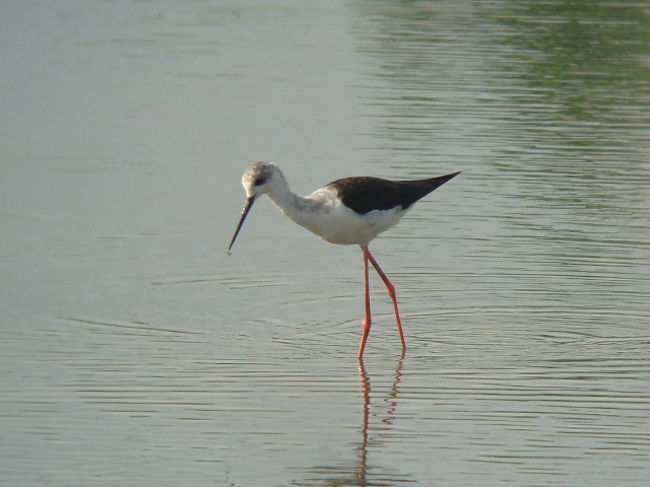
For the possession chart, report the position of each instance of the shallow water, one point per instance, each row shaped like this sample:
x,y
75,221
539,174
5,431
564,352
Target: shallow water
x,y
135,352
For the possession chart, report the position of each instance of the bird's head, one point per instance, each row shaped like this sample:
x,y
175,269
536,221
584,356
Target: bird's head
x,y
260,178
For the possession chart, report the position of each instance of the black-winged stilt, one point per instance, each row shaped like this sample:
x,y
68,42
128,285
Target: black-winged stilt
x,y
346,211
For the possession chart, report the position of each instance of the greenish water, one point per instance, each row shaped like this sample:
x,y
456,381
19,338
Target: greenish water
x,y
133,351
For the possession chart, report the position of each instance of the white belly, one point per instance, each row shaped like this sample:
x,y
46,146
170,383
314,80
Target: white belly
x,y
340,225
325,215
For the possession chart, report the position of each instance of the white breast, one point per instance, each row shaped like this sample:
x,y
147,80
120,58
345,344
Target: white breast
x,y
325,215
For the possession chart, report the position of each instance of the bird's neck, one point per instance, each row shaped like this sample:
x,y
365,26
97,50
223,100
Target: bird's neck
x,y
291,204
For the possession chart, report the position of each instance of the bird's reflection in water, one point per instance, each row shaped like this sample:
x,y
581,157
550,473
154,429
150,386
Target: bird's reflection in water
x,y
363,474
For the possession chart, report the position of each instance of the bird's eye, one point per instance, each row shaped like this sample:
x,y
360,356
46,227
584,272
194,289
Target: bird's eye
x,y
261,179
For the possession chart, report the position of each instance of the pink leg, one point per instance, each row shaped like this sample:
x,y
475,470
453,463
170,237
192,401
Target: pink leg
x,y
391,292
365,327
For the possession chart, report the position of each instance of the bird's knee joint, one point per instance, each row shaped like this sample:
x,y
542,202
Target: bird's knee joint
x,y
392,293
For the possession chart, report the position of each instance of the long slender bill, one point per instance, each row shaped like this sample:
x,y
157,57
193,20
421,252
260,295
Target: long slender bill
x,y
247,208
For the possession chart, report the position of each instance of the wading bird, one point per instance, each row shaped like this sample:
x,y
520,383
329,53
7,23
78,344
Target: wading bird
x,y
346,211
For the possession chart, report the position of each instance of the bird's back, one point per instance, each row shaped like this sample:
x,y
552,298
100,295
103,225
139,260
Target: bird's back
x,y
365,194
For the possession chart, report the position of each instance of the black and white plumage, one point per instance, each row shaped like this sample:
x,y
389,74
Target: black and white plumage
x,y
364,194
347,211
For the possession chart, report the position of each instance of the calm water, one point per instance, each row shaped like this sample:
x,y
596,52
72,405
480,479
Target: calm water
x,y
133,351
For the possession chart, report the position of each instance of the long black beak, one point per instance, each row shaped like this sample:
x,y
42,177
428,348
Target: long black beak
x,y
247,208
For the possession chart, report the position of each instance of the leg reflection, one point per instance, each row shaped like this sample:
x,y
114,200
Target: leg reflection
x,y
363,447
391,412
391,400
360,473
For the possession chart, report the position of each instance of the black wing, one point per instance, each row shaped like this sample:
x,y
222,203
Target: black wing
x,y
365,194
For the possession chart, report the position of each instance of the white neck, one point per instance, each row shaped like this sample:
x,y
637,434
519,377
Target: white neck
x,y
290,203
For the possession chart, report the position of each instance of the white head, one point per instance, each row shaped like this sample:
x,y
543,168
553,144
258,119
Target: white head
x,y
260,178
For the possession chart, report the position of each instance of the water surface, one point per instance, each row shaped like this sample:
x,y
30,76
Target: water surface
x,y
135,352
